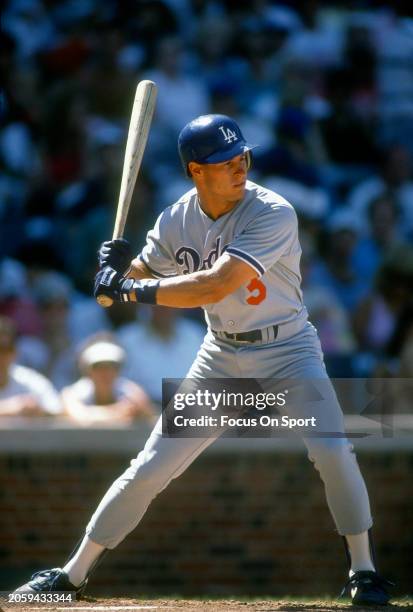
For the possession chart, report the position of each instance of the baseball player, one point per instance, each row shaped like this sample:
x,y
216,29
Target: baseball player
x,y
230,246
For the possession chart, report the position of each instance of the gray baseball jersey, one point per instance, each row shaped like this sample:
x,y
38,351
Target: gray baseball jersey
x,y
261,230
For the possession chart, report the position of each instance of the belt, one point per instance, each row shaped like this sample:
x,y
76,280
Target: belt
x,y
255,335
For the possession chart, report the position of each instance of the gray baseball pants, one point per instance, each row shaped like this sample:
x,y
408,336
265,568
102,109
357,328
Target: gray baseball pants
x,y
163,459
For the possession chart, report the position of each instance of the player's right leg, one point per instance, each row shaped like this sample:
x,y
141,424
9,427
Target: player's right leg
x,y
126,501
122,508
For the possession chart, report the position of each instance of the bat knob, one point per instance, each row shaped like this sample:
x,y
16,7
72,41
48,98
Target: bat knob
x,y
104,300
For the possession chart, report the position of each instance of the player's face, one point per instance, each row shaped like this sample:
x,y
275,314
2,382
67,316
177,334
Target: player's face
x,y
226,179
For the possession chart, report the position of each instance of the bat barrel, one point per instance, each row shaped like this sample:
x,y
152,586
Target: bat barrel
x,y
142,113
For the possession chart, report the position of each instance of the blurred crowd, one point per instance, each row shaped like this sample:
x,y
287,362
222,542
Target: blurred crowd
x,y
325,90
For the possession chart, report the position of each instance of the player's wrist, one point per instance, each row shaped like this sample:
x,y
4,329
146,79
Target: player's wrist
x,y
145,291
126,291
113,285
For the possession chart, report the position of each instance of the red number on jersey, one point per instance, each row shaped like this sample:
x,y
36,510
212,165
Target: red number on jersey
x,y
258,292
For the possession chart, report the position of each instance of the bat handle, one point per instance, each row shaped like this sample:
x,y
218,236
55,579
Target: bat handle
x,y
104,300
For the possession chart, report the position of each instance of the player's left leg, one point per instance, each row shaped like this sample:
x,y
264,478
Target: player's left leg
x,y
348,501
366,586
301,361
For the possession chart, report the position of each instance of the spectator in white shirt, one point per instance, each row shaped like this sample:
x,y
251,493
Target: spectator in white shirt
x,y
23,391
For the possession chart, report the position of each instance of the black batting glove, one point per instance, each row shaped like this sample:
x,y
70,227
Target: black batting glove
x,y
111,283
117,254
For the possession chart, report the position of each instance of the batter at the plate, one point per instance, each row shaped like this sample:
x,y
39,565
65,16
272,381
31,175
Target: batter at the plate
x,y
230,246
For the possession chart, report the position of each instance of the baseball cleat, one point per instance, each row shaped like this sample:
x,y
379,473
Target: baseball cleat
x,y
51,581
367,588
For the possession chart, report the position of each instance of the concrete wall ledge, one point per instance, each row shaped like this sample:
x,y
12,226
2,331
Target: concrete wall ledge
x,y
57,435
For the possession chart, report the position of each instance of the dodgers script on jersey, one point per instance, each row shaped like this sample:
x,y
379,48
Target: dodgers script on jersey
x,y
261,230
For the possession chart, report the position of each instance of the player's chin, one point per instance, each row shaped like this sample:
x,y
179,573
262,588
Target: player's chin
x,y
238,189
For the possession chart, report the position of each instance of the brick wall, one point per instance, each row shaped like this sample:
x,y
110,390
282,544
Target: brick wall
x,y
241,523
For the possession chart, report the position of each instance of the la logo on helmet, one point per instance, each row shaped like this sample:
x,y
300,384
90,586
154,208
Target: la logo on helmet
x,y
229,135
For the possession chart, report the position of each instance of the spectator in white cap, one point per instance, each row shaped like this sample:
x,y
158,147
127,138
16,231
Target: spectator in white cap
x,y
102,396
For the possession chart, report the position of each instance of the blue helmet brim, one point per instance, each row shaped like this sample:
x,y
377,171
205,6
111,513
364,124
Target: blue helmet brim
x,y
224,155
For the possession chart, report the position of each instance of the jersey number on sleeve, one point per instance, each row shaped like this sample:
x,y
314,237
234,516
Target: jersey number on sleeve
x,y
258,292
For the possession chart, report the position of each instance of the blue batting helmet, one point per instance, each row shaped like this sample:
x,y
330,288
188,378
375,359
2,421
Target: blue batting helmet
x,y
210,139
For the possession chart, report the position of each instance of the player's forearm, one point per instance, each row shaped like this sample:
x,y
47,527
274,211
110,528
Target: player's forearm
x,y
187,291
205,287
190,290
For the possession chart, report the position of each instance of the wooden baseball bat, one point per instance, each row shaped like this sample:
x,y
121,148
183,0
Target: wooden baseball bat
x,y
142,112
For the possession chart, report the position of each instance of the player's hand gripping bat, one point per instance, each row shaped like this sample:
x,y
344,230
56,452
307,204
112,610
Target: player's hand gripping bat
x,y
142,112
